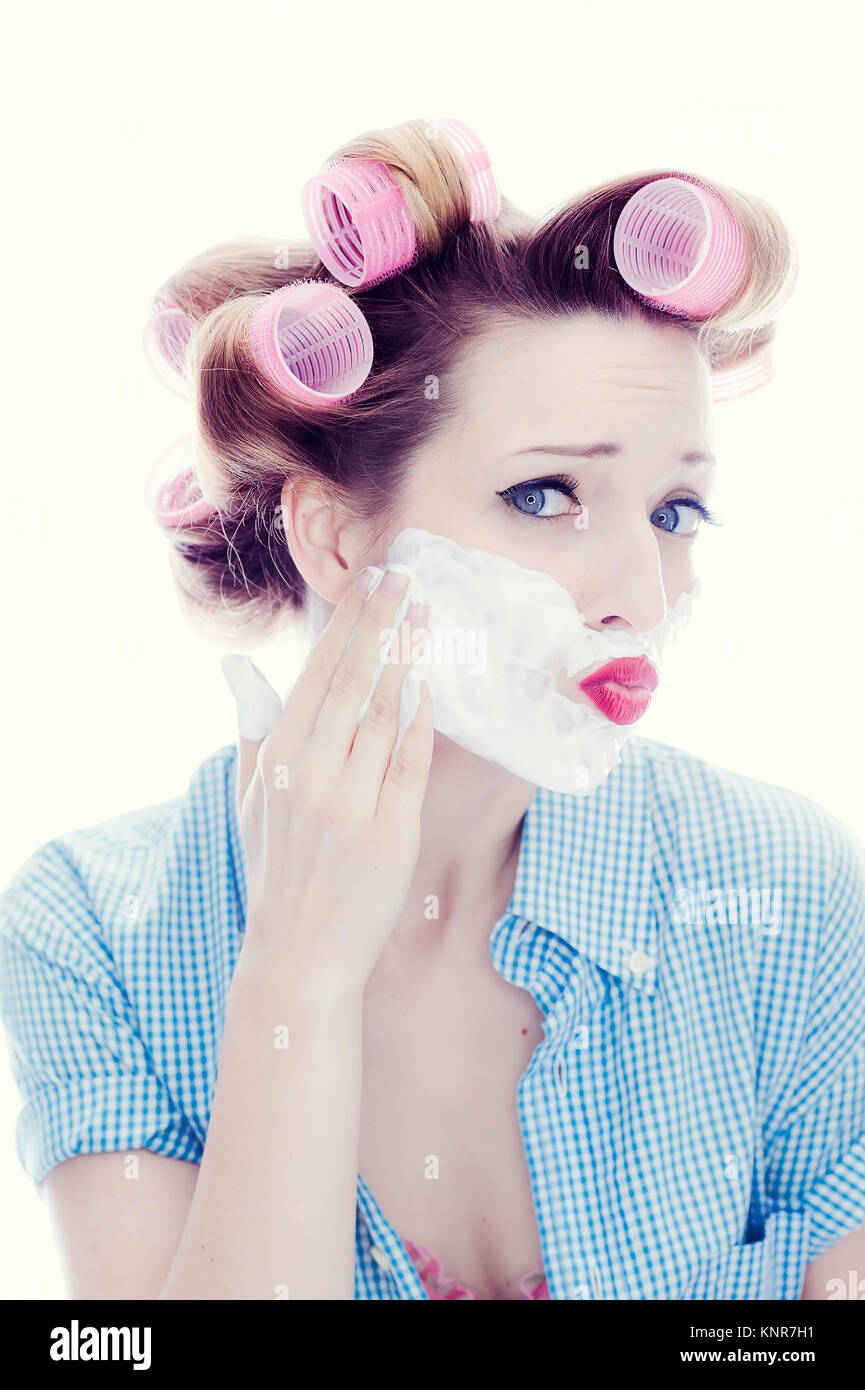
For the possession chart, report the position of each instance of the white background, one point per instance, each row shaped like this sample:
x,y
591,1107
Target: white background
x,y
140,135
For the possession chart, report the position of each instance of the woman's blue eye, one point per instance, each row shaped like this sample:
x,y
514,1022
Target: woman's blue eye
x,y
672,513
544,497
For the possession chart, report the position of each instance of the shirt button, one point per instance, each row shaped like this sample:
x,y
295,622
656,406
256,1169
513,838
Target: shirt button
x,y
638,962
380,1257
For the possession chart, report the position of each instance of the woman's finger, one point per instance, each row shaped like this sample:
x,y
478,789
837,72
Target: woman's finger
x,y
405,782
305,698
335,728
374,740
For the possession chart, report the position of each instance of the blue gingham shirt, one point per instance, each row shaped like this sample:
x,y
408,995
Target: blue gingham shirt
x,y
694,1116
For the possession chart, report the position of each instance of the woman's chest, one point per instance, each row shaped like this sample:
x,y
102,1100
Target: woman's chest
x,y
440,1144
640,1129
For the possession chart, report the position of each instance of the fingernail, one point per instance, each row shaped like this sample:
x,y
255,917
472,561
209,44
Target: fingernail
x,y
258,705
365,580
395,583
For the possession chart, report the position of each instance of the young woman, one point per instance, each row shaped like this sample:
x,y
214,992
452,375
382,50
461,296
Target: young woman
x,y
367,1013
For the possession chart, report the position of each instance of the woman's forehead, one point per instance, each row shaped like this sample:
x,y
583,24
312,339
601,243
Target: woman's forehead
x,y
542,382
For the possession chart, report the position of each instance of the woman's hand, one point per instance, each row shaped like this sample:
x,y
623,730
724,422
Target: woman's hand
x,y
330,825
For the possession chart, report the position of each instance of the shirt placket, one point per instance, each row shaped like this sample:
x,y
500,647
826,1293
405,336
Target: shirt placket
x,y
386,1249
568,990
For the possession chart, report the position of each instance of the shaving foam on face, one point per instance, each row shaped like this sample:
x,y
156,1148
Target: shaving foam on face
x,y
498,637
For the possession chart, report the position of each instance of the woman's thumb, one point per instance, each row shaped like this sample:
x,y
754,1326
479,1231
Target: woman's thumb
x,y
258,709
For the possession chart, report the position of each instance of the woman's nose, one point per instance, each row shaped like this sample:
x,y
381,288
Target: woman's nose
x,y
629,597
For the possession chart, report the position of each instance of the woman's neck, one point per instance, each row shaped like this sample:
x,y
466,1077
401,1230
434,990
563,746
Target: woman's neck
x,y
471,828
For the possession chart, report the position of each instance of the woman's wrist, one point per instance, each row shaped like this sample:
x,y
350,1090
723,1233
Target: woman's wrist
x,y
265,974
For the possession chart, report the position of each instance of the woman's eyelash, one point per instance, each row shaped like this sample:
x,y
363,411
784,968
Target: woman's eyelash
x,y
562,482
708,516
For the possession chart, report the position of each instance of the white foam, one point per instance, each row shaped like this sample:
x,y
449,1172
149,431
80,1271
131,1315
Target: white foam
x,y
497,633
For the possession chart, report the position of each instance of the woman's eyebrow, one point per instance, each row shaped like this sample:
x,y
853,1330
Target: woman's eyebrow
x,y
588,451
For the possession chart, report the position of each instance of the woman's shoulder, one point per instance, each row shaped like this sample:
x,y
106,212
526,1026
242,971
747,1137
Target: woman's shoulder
x,y
118,942
747,861
127,867
731,813
763,884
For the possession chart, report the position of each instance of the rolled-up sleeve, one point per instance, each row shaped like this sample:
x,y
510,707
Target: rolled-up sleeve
x,y
84,1074
815,1156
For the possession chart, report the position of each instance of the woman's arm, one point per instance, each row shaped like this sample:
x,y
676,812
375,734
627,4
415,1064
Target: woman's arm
x,y
117,1219
270,1211
273,1213
331,830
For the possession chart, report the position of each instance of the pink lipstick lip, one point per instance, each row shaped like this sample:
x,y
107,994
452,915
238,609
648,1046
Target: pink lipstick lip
x,y
619,706
622,689
629,675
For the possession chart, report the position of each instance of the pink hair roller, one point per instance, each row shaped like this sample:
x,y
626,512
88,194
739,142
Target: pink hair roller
x,y
678,244
745,377
312,342
166,338
360,223
171,490
486,198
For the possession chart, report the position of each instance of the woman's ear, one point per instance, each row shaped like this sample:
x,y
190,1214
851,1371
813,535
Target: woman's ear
x,y
326,544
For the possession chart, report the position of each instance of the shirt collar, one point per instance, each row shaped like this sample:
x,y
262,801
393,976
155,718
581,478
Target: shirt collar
x,y
585,870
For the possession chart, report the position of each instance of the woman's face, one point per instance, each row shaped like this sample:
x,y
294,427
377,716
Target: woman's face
x,y
616,415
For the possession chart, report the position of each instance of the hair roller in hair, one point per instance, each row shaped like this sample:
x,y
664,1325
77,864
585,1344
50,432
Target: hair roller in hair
x,y
171,490
679,246
486,199
312,342
360,223
166,338
745,376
